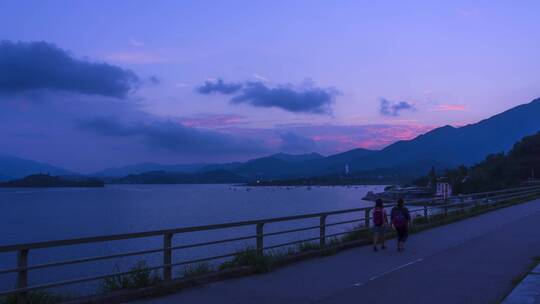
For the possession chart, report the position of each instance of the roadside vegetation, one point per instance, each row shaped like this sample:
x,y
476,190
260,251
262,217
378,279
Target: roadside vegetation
x,y
140,276
197,270
497,171
36,297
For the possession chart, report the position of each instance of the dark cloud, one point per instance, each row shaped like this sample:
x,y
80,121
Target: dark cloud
x,y
388,108
294,143
310,100
219,86
28,66
304,100
174,137
154,79
106,126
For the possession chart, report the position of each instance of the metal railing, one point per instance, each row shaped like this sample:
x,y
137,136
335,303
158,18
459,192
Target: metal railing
x,y
23,266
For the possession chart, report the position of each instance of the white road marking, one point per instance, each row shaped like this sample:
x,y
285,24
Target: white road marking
x,y
396,269
389,271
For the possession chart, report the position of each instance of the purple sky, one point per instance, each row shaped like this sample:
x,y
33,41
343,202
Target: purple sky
x,y
92,84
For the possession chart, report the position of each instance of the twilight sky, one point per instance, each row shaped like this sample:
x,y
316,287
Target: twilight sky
x,y
92,84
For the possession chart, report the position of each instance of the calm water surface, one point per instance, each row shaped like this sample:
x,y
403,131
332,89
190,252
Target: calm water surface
x,y
30,215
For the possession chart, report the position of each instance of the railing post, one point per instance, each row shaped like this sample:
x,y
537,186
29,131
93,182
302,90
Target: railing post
x,y
260,241
22,275
366,217
322,231
167,256
426,211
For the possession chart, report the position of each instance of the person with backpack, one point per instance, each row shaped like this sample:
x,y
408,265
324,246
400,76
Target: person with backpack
x,y
401,220
380,221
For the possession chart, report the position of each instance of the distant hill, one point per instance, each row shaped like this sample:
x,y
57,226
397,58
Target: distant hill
x,y
336,163
225,166
500,170
444,147
394,175
162,177
278,165
47,181
296,157
455,146
267,167
14,167
147,167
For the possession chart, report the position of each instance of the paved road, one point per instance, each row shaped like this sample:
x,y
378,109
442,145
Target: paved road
x,y
471,261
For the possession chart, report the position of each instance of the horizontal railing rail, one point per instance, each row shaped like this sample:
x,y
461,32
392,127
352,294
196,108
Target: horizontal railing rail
x,y
117,237
461,202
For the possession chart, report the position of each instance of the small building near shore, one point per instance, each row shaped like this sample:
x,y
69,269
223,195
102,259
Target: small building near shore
x,y
443,188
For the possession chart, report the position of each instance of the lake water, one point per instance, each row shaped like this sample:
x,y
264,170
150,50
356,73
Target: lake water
x,y
31,215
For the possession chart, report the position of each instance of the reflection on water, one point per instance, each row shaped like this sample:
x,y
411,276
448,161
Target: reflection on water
x,y
30,215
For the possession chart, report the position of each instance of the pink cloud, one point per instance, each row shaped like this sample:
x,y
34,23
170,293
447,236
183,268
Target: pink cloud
x,y
451,107
380,136
211,121
342,138
328,139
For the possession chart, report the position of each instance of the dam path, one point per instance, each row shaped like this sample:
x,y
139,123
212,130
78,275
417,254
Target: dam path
x,y
470,261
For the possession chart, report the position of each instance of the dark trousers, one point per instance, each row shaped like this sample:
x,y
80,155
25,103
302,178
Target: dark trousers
x,y
402,234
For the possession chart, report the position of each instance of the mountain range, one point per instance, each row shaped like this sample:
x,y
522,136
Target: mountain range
x,y
464,145
14,168
147,167
443,147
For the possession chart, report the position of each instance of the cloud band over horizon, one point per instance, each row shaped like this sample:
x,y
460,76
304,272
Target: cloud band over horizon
x,y
173,136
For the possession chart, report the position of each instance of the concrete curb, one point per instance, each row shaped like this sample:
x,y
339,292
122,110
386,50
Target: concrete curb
x,y
527,291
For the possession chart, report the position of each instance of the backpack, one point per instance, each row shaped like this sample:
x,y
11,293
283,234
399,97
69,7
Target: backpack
x,y
378,217
398,219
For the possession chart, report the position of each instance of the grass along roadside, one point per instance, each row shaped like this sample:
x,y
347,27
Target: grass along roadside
x,y
140,276
37,297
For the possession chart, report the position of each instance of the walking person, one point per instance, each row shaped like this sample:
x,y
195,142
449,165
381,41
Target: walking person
x,y
380,222
401,220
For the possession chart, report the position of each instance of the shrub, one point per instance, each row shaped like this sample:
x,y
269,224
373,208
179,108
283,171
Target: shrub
x,y
249,257
140,276
308,246
36,297
195,270
358,234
